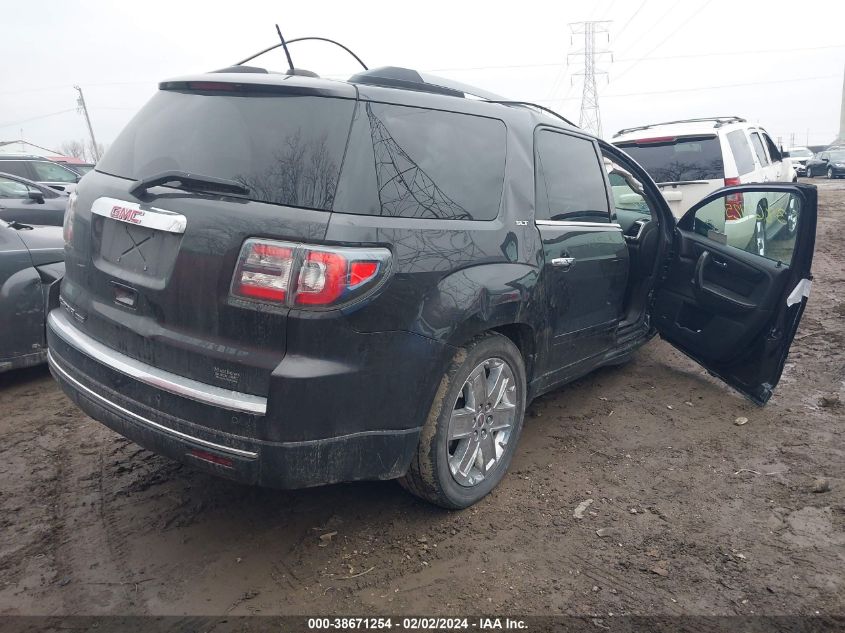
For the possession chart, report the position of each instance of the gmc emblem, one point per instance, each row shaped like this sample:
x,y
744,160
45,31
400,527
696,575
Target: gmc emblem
x,y
127,215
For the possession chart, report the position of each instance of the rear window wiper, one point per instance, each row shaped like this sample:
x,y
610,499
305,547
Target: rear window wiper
x,y
190,182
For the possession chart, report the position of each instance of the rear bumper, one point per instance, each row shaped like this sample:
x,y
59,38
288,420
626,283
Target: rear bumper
x,y
138,402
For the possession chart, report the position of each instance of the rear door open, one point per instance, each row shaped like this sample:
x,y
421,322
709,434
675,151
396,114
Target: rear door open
x,y
729,308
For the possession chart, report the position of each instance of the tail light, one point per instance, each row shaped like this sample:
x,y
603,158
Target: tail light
x,y
309,276
67,225
734,203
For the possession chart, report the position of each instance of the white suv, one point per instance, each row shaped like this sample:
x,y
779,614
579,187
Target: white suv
x,y
692,158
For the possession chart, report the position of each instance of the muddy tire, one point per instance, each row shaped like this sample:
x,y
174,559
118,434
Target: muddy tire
x,y
472,430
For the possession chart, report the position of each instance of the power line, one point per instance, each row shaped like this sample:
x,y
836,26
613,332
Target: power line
x,y
618,60
35,118
665,39
631,19
702,88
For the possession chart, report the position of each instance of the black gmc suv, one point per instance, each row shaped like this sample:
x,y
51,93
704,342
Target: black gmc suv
x,y
290,281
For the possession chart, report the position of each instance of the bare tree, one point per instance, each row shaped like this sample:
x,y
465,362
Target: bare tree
x,y
83,150
74,149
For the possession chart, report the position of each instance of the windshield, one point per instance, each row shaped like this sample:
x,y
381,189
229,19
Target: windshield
x,y
678,159
284,149
800,153
837,156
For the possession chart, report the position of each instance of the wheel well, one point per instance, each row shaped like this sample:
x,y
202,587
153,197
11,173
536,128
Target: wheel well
x,y
522,336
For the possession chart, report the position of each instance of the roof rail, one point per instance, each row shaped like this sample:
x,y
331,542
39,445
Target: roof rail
x,y
718,121
535,105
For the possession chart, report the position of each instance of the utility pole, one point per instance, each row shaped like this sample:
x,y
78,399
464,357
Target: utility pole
x,y
80,103
590,119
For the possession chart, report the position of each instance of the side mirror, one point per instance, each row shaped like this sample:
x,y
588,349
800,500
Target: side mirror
x,y
824,160
36,196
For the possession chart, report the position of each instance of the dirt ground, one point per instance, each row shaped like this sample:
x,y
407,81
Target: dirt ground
x,y
700,515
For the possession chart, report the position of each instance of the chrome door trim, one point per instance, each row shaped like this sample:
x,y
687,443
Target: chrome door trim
x,y
587,225
153,376
138,418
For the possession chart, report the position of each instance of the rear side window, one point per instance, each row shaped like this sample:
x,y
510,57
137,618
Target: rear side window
x,y
570,184
741,152
14,167
774,152
285,149
419,163
758,149
679,159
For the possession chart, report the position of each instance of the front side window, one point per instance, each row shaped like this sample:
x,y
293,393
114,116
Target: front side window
x,y
761,222
569,179
50,172
758,149
413,162
12,188
741,152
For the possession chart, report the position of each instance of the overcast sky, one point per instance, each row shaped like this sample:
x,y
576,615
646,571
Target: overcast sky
x,y
777,63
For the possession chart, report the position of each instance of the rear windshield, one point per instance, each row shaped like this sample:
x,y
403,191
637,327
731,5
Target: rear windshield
x,y
285,149
679,160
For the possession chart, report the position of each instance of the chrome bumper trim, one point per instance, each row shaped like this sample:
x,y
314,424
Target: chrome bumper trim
x,y
138,418
158,378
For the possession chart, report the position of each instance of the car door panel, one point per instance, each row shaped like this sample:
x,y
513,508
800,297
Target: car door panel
x,y
585,296
732,310
21,302
717,297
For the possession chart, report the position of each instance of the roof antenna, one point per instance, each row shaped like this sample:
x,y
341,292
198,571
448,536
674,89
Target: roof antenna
x,y
285,46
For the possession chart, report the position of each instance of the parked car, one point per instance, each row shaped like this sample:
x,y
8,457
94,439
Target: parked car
x,y
799,156
31,262
40,170
691,158
289,281
29,202
830,163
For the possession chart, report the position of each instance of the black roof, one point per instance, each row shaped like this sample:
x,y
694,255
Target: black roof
x,y
390,84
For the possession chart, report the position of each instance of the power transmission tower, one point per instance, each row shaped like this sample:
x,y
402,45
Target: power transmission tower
x,y
590,118
80,103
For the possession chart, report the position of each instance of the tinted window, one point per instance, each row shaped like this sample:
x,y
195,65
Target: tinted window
x,y
14,167
758,148
774,152
284,149
679,160
50,172
741,152
570,181
419,163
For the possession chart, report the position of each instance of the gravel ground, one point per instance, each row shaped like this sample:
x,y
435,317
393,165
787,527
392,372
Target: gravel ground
x,y
689,513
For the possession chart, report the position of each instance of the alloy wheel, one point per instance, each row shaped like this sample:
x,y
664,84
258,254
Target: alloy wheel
x,y
830,173
482,422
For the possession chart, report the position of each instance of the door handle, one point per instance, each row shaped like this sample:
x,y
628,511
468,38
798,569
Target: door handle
x,y
563,262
